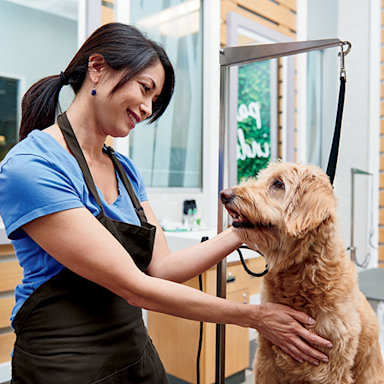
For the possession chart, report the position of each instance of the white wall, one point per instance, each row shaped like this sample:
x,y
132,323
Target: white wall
x,y
352,20
356,23
34,44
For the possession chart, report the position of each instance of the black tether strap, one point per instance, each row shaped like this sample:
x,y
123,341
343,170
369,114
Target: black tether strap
x,y
245,265
331,168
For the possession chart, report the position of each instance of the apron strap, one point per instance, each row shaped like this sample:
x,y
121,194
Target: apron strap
x,y
75,148
128,186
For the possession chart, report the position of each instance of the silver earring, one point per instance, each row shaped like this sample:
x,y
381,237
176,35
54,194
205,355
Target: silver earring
x,y
93,93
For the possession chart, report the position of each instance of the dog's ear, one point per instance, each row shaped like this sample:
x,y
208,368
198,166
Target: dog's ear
x,y
309,203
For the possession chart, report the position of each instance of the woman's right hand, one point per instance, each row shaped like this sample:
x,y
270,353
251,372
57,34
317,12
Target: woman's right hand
x,y
282,325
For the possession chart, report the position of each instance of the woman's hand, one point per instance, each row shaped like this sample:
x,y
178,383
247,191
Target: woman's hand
x,y
280,324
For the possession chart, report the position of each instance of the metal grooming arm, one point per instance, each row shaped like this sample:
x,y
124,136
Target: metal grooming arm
x,y
232,56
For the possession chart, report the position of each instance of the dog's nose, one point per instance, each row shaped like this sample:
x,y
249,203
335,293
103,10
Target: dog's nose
x,y
226,196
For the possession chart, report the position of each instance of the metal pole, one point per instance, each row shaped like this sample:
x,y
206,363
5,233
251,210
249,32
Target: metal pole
x,y
352,248
220,328
222,220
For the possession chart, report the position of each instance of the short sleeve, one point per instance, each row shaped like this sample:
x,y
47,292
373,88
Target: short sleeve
x,y
32,187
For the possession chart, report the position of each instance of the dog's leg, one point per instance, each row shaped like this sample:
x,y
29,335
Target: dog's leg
x,y
369,365
264,368
263,376
370,369
347,378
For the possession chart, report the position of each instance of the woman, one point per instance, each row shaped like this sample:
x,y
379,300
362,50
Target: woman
x,y
92,250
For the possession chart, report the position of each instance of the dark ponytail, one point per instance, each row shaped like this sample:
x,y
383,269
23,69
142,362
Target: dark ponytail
x,y
123,47
39,105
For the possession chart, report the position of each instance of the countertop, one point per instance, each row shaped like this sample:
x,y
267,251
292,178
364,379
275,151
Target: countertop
x,y
180,240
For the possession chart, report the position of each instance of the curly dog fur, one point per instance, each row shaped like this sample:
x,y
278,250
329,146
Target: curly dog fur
x,y
289,215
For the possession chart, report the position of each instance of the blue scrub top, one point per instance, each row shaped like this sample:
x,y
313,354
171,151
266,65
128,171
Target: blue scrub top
x,y
39,177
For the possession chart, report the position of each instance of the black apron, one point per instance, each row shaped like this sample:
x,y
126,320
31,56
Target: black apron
x,y
71,330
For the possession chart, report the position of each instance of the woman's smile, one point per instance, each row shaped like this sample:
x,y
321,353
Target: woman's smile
x,y
133,117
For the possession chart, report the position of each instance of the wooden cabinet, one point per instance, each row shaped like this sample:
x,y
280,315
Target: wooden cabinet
x,y
177,339
10,275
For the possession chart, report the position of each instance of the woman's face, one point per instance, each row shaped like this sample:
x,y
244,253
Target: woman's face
x,y
117,114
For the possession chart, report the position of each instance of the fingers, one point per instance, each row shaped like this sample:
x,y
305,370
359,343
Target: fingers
x,y
307,335
302,317
293,352
301,351
314,339
299,355
281,325
310,354
299,348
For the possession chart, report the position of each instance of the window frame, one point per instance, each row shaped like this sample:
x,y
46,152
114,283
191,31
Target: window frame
x,y
167,202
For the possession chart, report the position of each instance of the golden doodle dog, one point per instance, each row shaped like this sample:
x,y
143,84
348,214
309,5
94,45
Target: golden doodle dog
x,y
289,215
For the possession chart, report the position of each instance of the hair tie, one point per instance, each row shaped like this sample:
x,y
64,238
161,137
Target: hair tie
x,y
63,79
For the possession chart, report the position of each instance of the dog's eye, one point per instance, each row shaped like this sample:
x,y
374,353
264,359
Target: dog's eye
x,y
278,184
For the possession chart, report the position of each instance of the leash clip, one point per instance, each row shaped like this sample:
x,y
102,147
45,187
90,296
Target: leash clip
x,y
342,54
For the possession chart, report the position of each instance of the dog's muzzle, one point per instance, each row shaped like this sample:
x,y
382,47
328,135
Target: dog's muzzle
x,y
227,196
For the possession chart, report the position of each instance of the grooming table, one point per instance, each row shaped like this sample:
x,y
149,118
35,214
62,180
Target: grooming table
x,y
371,283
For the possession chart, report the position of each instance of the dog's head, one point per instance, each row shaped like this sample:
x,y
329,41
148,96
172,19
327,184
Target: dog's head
x,y
283,206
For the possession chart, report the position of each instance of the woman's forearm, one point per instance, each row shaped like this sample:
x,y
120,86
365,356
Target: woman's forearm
x,y
276,322
187,263
180,300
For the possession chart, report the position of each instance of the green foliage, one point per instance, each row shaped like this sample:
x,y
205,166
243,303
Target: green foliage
x,y
254,86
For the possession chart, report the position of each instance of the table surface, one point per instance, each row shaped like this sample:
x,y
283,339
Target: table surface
x,y
371,282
